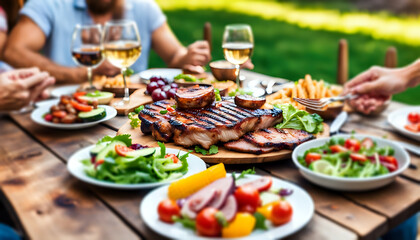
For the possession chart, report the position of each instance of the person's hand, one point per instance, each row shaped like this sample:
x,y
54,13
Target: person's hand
x,y
107,69
248,65
20,87
374,87
198,55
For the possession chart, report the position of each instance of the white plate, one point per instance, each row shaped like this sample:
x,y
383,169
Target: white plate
x,y
351,184
64,90
76,168
398,119
168,73
303,210
37,116
48,102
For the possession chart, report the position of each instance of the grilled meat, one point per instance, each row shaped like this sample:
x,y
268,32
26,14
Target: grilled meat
x,y
195,97
270,139
223,122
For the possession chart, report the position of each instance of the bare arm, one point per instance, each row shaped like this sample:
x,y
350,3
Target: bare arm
x,y
3,38
23,51
174,54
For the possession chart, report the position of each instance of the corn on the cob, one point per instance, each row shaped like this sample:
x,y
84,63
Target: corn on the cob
x,y
187,186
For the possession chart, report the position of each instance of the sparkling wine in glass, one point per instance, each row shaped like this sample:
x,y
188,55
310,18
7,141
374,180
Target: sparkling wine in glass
x,y
122,47
86,48
238,44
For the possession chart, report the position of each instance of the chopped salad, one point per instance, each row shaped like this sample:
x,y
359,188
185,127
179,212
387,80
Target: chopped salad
x,y
211,204
116,159
350,158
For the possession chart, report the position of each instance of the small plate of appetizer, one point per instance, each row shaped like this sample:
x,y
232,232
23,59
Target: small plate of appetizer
x,y
72,112
351,162
215,205
114,162
406,121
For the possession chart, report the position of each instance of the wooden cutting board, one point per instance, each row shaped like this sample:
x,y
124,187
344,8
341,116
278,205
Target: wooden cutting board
x,y
137,98
224,156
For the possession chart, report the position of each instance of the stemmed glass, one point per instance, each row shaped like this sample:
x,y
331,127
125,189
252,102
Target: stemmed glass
x,y
122,47
86,48
238,43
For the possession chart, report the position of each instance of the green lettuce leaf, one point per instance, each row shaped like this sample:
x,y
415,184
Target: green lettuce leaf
x,y
125,138
299,119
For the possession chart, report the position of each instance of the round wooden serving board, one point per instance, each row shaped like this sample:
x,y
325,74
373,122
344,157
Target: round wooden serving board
x,y
224,156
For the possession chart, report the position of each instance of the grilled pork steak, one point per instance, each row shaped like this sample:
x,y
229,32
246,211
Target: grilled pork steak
x,y
270,139
223,122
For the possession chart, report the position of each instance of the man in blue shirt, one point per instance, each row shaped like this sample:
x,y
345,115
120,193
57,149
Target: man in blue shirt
x,y
47,25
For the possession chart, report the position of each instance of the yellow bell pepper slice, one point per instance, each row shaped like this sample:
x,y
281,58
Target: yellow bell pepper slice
x,y
242,225
266,210
187,186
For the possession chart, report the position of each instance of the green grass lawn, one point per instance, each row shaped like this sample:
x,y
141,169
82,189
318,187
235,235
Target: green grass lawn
x,y
288,51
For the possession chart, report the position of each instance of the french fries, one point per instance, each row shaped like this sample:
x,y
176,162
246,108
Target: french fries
x,y
109,82
304,88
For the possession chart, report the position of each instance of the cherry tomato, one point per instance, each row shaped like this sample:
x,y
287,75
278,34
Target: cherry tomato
x,y
414,117
389,166
48,117
247,195
261,184
367,143
413,127
247,209
338,149
167,209
358,157
312,157
352,144
281,212
122,150
59,114
175,159
389,162
80,106
207,224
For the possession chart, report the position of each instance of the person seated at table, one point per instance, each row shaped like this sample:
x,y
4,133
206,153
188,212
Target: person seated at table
x,y
20,87
46,26
379,83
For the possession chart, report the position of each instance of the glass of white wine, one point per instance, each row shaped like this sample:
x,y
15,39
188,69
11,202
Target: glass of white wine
x,y
121,46
238,44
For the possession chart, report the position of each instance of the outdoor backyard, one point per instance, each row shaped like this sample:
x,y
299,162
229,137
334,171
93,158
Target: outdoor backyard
x,y
301,37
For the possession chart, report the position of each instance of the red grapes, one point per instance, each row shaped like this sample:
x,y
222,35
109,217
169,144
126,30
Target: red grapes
x,y
159,88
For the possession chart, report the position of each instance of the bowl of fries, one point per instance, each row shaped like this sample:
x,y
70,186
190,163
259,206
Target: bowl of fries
x,y
308,88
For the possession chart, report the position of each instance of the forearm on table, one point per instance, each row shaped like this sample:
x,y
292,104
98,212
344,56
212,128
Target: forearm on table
x,y
23,59
179,58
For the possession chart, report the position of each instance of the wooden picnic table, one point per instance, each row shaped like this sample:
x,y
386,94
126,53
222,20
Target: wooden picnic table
x,y
48,203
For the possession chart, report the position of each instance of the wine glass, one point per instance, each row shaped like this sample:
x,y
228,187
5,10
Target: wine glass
x,y
238,44
122,47
86,48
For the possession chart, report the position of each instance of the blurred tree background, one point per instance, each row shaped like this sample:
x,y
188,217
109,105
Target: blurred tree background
x,y
296,37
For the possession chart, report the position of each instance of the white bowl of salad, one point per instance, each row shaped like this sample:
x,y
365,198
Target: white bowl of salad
x,y
351,162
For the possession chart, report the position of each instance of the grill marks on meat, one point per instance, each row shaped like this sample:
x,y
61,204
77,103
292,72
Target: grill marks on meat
x,y
270,139
206,126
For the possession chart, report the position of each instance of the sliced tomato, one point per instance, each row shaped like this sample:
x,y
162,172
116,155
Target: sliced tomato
x,y
175,159
122,150
338,148
389,166
59,114
352,144
80,106
413,127
167,209
312,157
367,143
390,160
99,162
261,184
414,117
77,96
358,157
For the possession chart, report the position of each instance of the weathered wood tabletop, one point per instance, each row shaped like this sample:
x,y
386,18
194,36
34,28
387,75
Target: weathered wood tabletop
x,y
48,203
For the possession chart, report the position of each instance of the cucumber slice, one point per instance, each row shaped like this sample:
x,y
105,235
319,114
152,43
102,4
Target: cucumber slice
x,y
172,166
93,115
268,197
146,152
322,166
102,97
99,147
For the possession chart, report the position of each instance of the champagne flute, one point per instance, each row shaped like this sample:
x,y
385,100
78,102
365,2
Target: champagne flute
x,y
86,48
122,47
238,44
